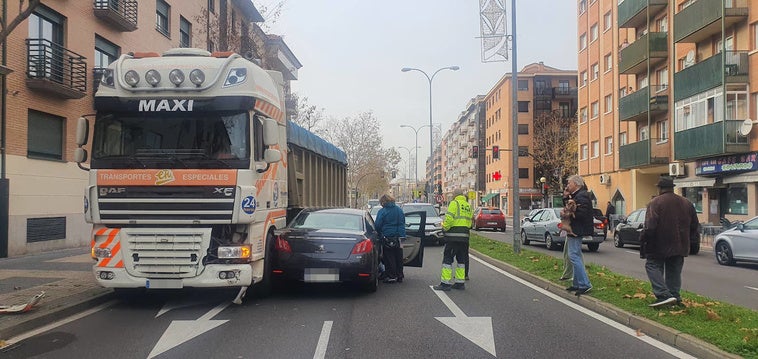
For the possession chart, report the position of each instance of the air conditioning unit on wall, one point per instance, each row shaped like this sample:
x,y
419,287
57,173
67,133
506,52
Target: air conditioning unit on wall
x,y
605,179
676,169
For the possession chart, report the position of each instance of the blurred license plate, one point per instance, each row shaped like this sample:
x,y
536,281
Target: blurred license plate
x,y
163,284
321,275
491,222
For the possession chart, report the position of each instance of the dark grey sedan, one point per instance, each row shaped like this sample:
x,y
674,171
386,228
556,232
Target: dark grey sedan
x,y
629,229
338,245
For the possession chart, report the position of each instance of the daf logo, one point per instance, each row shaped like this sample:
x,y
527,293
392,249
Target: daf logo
x,y
165,105
225,191
104,191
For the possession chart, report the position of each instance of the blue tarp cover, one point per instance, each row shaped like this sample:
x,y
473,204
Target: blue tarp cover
x,y
301,137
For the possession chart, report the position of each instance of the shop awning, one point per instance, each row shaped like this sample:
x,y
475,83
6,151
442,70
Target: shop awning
x,y
489,196
743,178
695,182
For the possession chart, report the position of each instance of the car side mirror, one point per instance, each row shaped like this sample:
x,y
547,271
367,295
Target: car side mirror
x,y
741,227
527,219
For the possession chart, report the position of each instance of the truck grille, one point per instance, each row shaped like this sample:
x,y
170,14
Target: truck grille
x,y
163,204
165,255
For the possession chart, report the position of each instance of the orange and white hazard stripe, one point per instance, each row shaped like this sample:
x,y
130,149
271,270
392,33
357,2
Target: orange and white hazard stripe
x,y
105,238
269,109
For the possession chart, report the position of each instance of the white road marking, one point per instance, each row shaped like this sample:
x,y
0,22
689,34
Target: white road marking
x,y
622,328
753,288
54,325
323,340
632,252
181,331
476,329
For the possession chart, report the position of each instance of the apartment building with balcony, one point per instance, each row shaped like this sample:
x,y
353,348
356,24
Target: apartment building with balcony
x,y
540,88
459,170
684,91
56,57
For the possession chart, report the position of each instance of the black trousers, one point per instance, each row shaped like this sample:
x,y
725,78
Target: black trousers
x,y
459,250
393,262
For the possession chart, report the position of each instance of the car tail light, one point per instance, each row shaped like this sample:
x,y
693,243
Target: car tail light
x,y
560,225
600,225
362,247
282,245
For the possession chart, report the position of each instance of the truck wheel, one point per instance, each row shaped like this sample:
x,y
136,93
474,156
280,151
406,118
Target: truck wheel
x,y
593,247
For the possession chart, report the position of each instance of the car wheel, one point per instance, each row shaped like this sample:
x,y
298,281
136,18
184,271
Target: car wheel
x,y
593,247
524,240
724,254
372,285
549,242
617,241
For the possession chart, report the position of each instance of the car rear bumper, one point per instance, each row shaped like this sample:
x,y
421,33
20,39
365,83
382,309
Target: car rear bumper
x,y
356,268
597,238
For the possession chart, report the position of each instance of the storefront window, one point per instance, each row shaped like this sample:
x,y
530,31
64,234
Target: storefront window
x,y
734,199
695,195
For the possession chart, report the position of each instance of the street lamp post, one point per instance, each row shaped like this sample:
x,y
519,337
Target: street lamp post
x,y
415,130
431,129
409,157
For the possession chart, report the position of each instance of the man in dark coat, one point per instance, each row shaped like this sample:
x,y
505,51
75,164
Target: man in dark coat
x,y
582,226
671,227
609,210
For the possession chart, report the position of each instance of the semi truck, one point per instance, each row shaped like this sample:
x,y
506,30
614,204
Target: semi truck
x,y
192,166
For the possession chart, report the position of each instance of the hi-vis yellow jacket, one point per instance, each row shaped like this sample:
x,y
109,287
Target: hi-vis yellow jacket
x,y
458,220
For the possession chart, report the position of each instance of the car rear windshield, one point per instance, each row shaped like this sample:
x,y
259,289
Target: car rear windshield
x,y
491,211
318,220
430,210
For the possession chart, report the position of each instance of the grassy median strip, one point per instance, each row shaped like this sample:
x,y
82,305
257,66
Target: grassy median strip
x,y
732,328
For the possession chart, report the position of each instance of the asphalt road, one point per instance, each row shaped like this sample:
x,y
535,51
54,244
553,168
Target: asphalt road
x,y
702,274
498,315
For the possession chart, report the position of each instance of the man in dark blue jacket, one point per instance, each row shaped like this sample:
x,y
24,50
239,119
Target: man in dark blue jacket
x,y
582,226
390,223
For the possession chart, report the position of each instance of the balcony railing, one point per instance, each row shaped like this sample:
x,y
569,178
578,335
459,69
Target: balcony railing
x,y
632,12
634,154
122,14
699,20
711,73
52,68
653,46
564,92
636,105
719,138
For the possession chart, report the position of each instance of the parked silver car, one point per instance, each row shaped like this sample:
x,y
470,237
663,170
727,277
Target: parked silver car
x,y
739,243
543,227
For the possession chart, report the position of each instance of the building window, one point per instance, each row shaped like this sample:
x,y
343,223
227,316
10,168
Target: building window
x,y
593,33
523,106
582,42
212,6
523,85
734,199
583,115
608,103
105,53
584,152
523,151
622,92
755,36
663,24
46,25
162,14
595,149
185,32
663,79
582,6
609,145
595,71
608,62
523,129
584,78
565,109
523,173
45,136
595,110
643,133
695,195
607,21
663,131
701,109
622,139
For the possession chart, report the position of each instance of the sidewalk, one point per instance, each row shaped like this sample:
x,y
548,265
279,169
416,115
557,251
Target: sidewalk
x,y
66,278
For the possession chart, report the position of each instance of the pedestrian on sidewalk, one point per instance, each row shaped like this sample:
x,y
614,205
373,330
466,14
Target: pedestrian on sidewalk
x,y
456,227
568,268
671,229
390,224
582,226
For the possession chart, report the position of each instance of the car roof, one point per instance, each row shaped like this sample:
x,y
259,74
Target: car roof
x,y
353,211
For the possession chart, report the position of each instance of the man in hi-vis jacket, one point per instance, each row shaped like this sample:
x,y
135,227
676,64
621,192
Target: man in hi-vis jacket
x,y
456,226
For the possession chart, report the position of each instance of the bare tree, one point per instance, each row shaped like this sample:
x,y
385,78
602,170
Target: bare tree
x,y
308,116
555,148
7,27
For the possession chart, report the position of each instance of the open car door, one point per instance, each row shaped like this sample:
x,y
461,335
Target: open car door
x,y
413,246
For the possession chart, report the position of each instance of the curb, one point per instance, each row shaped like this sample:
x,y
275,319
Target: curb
x,y
685,342
54,310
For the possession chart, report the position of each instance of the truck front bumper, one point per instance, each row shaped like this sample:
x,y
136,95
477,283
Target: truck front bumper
x,y
241,276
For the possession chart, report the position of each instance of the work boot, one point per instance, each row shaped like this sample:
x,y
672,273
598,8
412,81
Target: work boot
x,y
443,287
460,286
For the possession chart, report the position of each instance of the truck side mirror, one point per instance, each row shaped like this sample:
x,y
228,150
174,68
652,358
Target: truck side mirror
x,y
270,133
82,132
271,155
80,155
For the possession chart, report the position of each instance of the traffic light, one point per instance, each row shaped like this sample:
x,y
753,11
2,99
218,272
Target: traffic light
x,y
496,176
475,151
495,152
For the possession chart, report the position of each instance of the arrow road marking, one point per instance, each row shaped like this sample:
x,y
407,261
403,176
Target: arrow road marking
x,y
476,329
179,304
753,288
181,331
323,340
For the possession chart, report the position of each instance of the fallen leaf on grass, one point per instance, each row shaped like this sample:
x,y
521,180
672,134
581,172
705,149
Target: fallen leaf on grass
x,y
677,312
711,304
711,315
600,274
697,305
660,314
640,333
627,296
555,266
639,295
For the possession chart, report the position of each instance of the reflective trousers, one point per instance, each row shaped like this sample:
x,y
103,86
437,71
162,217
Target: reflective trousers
x,y
459,250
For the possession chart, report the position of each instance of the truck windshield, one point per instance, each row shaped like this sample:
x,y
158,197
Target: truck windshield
x,y
201,140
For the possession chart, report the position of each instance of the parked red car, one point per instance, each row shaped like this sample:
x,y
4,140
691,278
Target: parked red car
x,y
488,217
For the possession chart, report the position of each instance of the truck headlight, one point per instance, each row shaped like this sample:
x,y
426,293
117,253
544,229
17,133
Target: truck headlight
x,y
234,252
101,252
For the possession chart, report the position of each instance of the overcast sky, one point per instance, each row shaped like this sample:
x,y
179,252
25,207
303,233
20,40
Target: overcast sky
x,y
352,52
